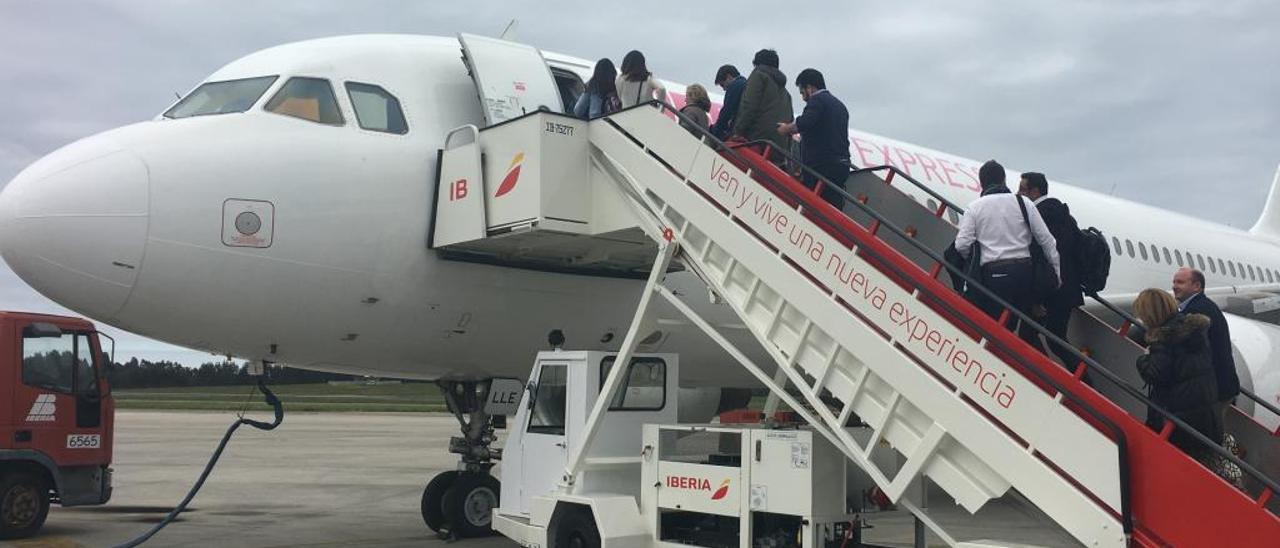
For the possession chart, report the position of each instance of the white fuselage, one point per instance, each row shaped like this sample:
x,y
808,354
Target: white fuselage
x,y
127,227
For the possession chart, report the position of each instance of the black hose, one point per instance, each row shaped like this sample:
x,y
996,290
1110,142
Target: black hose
x,y
276,406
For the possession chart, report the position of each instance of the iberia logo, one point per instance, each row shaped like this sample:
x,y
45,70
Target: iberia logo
x,y
722,491
513,175
698,484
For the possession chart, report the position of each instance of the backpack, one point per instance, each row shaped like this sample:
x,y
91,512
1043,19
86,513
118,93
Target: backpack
x,y
610,104
1094,260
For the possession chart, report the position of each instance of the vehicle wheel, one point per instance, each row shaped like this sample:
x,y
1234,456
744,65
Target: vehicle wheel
x,y
24,505
433,499
469,504
577,529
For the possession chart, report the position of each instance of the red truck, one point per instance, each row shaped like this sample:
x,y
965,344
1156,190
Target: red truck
x,y
56,419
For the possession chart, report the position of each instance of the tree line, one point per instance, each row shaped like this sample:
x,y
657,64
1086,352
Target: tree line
x,y
137,373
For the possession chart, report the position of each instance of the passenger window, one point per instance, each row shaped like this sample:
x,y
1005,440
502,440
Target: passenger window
x,y
1249,267
221,97
1155,253
1142,248
1270,279
1178,255
549,401
643,389
1213,266
1200,260
376,109
955,217
1129,245
1167,260
1232,266
49,362
307,98
1116,242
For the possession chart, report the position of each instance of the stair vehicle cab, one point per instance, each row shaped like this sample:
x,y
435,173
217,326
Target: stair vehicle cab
x,y
56,419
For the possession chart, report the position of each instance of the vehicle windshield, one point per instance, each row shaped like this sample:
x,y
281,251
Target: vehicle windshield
x,y
221,97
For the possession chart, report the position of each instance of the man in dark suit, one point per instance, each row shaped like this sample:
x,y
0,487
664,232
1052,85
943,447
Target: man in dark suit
x,y
1188,288
1055,310
824,134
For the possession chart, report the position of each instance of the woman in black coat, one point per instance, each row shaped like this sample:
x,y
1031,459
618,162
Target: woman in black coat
x,y
1178,370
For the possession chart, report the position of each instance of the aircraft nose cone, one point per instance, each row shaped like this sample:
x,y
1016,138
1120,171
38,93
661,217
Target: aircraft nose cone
x,y
74,225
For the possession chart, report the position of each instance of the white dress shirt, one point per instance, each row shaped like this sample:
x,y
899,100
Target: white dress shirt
x,y
995,222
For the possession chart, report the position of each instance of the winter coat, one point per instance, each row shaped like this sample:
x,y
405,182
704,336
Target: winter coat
x,y
765,103
1066,232
1219,344
1178,370
697,112
729,109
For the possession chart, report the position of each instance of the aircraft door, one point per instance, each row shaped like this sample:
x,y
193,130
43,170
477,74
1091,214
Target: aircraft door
x,y
543,443
512,79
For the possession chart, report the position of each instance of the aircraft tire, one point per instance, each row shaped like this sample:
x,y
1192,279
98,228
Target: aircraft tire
x,y
469,503
433,499
24,504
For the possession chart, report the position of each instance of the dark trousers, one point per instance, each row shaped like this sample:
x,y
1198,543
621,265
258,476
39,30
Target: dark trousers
x,y
837,173
1011,281
1056,321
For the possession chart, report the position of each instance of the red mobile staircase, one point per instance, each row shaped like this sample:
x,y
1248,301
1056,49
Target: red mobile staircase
x,y
850,306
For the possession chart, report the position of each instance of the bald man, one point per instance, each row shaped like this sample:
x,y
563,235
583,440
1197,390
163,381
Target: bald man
x,y
1188,288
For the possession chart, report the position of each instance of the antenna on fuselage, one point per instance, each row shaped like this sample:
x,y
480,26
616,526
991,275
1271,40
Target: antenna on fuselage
x,y
509,33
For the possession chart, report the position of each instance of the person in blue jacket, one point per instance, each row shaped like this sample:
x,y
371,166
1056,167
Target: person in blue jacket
x,y
732,82
601,95
824,134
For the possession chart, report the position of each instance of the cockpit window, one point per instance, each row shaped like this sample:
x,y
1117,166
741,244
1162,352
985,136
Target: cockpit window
x,y
221,97
307,98
376,109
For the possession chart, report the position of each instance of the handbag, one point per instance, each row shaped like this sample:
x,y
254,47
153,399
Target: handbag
x,y
1043,279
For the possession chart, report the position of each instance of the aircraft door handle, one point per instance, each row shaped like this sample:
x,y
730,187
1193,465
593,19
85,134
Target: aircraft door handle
x,y
22,436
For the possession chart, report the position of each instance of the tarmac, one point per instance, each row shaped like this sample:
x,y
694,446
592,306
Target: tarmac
x,y
320,480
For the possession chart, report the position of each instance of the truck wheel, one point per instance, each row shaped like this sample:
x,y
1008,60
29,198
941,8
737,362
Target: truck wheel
x,y
469,504
433,499
24,505
577,529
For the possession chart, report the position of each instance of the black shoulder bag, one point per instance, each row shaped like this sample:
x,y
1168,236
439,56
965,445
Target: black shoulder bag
x,y
1043,279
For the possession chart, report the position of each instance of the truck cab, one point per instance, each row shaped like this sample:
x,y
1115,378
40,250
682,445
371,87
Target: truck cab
x,y
56,419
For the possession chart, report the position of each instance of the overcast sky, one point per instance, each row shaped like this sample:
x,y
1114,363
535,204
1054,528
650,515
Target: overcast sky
x,y
1171,102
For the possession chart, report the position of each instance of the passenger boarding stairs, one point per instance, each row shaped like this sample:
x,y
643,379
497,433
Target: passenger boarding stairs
x,y
850,307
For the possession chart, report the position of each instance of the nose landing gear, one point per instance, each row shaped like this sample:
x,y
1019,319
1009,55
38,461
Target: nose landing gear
x,y
459,503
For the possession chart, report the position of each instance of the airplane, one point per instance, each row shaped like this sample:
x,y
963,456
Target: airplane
x,y
279,211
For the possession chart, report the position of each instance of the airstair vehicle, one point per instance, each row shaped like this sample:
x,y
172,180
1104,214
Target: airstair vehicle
x,y
870,346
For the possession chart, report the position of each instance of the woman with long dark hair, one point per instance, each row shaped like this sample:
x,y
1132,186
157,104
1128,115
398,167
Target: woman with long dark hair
x,y
601,95
636,84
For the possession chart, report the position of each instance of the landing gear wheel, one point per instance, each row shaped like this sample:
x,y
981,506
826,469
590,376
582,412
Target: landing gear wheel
x,y
433,499
24,505
577,529
469,503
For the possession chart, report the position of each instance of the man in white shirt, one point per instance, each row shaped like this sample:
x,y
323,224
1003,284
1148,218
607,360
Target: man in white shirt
x,y
995,224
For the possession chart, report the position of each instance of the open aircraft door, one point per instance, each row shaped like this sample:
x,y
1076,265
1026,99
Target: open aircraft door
x,y
512,79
